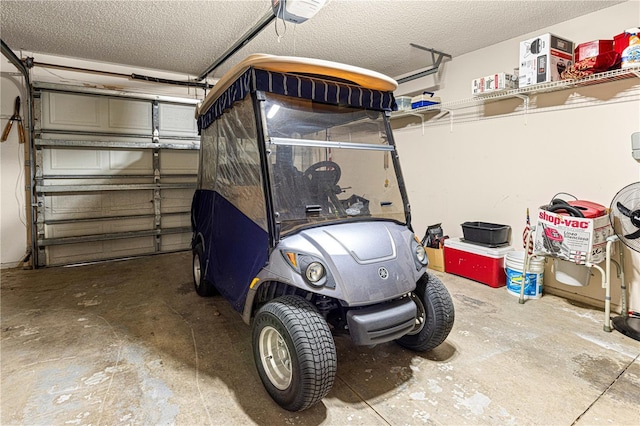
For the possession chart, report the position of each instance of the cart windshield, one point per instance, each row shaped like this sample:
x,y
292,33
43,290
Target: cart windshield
x,y
329,163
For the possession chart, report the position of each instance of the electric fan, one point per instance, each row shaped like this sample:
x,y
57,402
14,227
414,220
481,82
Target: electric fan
x,y
625,220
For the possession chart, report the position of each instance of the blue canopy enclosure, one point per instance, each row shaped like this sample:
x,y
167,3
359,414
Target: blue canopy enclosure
x,y
317,89
232,210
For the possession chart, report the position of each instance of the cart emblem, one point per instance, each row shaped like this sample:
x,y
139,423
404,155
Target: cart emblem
x,y
384,274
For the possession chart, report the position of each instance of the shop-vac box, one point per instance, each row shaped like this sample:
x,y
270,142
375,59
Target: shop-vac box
x,y
475,262
575,239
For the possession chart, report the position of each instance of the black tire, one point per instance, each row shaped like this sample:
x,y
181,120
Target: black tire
x,y
434,327
203,287
294,352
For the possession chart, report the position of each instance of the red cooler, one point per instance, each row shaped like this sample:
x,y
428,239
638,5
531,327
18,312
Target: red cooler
x,y
476,262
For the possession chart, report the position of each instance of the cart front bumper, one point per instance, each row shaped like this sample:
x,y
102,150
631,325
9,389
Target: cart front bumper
x,y
382,322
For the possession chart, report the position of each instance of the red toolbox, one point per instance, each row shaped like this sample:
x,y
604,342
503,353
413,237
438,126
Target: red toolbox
x,y
476,262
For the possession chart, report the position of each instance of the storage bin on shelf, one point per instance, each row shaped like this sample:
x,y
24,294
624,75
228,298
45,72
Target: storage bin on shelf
x,y
404,103
424,100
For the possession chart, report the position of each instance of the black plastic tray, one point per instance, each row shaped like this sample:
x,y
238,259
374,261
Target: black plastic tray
x,y
491,234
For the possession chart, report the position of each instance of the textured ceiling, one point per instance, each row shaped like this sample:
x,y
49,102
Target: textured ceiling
x,y
187,36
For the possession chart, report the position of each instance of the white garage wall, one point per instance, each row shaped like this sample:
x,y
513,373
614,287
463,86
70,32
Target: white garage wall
x,y
13,231
493,169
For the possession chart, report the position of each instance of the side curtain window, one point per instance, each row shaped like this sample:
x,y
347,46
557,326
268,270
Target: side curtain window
x,y
238,177
208,157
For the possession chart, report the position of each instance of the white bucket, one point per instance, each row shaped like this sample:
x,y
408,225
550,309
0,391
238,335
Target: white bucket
x,y
571,273
514,266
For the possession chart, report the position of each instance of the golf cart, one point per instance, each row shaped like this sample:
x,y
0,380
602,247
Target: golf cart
x,y
301,220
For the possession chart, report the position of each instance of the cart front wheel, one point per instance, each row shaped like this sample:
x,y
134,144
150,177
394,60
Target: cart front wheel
x,y
435,315
294,352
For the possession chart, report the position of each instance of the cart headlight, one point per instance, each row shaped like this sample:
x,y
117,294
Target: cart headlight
x,y
420,258
421,254
314,272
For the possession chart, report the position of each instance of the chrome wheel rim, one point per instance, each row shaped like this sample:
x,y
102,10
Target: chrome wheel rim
x,y
421,316
275,357
196,269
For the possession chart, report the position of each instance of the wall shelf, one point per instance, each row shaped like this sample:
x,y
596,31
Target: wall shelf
x,y
522,93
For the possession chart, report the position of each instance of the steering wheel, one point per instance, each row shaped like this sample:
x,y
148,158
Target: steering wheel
x,y
325,173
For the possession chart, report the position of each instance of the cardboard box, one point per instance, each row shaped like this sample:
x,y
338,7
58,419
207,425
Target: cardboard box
x,y
543,58
476,262
494,83
436,258
500,81
575,239
477,86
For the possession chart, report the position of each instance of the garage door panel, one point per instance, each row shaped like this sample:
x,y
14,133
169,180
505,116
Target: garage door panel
x,y
176,200
63,206
94,138
62,230
129,225
128,202
76,229
179,162
64,110
99,250
130,246
85,180
70,253
190,180
125,114
96,162
99,204
173,242
130,161
70,161
176,221
177,120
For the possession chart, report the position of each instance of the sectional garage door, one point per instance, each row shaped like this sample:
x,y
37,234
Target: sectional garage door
x,y
115,175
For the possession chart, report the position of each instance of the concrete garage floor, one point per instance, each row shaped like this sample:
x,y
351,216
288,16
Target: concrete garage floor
x,y
131,343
